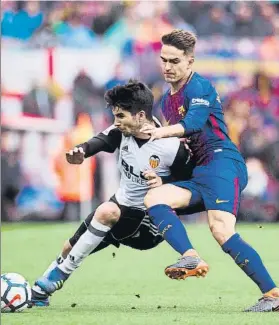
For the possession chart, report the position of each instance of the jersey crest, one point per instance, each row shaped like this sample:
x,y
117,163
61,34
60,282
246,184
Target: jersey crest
x,y
181,111
154,161
133,160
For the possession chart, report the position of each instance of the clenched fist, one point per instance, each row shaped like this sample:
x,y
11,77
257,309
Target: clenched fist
x,y
75,156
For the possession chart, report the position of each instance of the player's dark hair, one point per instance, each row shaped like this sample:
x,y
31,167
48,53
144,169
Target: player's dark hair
x,y
134,97
181,39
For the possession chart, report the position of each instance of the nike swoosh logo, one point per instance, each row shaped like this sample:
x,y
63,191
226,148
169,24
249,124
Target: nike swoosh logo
x,y
222,201
160,224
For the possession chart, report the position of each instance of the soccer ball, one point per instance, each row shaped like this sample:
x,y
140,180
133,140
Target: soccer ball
x,y
15,293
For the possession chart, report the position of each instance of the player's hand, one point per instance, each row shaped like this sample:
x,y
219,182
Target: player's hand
x,y
153,180
155,133
75,156
186,142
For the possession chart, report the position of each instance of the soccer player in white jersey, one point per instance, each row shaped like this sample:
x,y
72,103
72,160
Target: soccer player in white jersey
x,y
142,164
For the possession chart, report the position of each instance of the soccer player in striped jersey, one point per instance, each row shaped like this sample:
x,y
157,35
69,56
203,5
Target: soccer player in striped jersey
x,y
193,110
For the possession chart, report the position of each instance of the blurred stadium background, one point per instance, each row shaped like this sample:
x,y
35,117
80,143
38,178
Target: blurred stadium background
x,y
58,58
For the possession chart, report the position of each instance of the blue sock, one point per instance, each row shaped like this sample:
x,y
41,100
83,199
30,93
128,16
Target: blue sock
x,y
249,261
171,228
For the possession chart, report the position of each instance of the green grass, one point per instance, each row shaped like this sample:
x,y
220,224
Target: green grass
x,y
104,288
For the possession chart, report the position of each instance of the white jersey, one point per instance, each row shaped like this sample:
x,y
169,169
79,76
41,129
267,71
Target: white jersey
x,y
133,160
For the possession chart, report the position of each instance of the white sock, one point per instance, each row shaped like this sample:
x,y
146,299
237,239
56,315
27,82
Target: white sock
x,y
52,266
93,236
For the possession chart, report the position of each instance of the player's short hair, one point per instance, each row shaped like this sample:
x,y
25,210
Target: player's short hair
x,y
134,97
181,39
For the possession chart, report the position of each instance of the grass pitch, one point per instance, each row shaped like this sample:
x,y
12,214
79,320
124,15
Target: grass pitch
x,y
131,287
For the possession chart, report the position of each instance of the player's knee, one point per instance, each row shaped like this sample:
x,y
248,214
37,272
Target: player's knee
x,y
108,213
222,225
66,249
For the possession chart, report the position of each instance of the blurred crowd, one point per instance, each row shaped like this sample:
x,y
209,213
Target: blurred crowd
x,y
252,116
226,30
134,25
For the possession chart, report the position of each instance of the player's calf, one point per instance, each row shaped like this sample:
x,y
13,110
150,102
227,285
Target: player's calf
x,y
222,225
173,230
104,217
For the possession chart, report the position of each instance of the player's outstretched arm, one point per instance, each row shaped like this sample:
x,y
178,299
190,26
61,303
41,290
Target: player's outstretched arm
x,y
77,155
193,122
199,108
107,141
176,130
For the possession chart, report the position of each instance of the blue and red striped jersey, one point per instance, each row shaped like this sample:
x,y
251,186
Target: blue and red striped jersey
x,y
198,108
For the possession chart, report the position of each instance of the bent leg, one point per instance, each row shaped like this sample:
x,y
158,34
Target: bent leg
x,y
160,203
222,226
105,216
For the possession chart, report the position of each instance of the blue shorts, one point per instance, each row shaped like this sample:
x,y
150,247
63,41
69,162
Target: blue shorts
x,y
216,186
